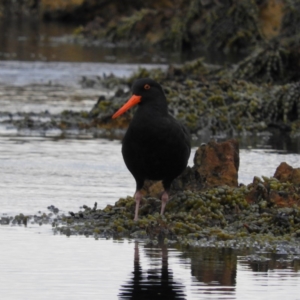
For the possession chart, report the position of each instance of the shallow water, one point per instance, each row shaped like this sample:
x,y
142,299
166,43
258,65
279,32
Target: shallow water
x,y
36,265
64,74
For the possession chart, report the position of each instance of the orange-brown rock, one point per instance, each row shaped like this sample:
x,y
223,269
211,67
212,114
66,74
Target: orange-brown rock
x,y
287,195
258,191
285,172
217,163
271,15
60,4
282,199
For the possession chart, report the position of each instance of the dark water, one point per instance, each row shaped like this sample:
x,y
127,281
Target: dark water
x,y
24,39
28,40
40,171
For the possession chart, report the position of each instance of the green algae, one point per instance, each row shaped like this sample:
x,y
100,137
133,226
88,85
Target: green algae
x,y
221,103
218,214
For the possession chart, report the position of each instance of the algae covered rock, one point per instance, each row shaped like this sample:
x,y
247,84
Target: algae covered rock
x,y
286,173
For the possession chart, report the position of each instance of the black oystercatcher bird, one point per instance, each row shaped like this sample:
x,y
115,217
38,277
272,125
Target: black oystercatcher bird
x,y
155,146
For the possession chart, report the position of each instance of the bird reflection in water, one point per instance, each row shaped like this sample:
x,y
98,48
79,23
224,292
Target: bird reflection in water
x,y
154,283
213,267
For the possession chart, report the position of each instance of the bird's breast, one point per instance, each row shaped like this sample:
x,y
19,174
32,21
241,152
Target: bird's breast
x,y
155,148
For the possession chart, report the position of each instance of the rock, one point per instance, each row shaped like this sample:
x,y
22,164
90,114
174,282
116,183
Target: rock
x,y
59,9
271,15
217,164
257,193
279,191
139,234
285,172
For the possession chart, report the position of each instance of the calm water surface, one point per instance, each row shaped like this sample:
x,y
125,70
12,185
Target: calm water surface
x,y
36,265
28,40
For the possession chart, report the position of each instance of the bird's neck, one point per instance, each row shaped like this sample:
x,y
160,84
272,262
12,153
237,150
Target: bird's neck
x,y
154,109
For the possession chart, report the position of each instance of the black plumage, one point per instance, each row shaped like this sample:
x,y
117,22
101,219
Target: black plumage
x,y
156,146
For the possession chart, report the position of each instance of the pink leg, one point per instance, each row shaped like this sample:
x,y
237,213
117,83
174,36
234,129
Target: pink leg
x,y
137,197
164,200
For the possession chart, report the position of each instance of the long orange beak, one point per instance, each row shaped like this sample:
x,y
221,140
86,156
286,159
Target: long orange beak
x,y
134,100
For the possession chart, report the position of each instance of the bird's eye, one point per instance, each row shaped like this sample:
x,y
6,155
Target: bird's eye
x,y
146,86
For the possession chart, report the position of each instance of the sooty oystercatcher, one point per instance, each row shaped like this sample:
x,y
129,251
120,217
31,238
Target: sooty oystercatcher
x,y
155,146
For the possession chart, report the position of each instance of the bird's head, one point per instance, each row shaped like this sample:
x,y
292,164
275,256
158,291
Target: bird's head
x,y
144,90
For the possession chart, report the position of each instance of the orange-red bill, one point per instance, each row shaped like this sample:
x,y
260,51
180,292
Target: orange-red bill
x,y
134,100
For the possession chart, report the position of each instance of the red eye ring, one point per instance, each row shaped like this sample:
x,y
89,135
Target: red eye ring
x,y
146,86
